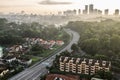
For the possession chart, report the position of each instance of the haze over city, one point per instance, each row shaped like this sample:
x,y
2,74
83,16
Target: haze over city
x,y
52,6
60,40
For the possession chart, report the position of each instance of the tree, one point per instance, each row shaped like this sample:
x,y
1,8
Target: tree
x,y
91,46
3,22
115,43
101,57
37,47
105,75
75,47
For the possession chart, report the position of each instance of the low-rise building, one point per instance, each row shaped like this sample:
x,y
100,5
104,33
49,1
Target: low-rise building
x,y
10,58
15,48
60,43
96,79
83,65
3,69
25,61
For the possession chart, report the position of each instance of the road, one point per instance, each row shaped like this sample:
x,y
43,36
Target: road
x,y
34,72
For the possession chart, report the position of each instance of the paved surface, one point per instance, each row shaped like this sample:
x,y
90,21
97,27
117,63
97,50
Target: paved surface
x,y
39,69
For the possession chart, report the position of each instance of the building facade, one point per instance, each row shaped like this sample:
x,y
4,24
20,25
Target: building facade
x,y
86,10
116,11
106,12
82,65
91,8
79,11
61,77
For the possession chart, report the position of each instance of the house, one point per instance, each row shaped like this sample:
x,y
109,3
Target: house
x,y
61,77
10,58
4,72
3,69
24,61
16,48
44,42
96,79
52,42
60,43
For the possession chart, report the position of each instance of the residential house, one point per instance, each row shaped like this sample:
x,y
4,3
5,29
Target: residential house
x,y
60,43
3,69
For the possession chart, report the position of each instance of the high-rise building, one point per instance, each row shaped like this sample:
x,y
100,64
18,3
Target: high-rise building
x,y
116,12
79,11
106,12
74,12
84,12
91,8
86,9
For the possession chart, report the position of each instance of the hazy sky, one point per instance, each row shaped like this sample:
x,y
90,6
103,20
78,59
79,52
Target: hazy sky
x,y
47,6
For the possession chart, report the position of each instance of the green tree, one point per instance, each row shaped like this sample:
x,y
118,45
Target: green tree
x,y
75,47
91,46
115,43
37,47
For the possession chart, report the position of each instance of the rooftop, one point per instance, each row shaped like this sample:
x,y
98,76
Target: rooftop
x,y
62,77
91,62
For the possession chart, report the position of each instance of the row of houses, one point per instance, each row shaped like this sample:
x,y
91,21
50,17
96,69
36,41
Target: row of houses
x,y
32,41
23,48
20,59
45,43
83,65
8,59
17,48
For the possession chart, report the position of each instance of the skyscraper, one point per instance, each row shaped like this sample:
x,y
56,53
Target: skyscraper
x,y
74,12
106,12
86,9
91,9
116,11
79,11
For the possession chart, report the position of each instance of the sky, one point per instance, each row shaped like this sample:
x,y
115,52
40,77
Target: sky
x,y
52,6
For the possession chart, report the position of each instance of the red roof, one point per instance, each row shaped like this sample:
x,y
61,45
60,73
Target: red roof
x,y
64,77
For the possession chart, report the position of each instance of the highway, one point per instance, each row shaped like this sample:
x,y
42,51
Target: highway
x,y
39,68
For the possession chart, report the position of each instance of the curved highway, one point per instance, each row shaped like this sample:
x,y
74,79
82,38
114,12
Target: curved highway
x,y
37,70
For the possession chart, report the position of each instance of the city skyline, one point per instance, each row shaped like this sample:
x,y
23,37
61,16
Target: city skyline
x,y
48,6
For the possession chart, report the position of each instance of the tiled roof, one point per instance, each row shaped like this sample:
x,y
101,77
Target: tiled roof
x,y
63,77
